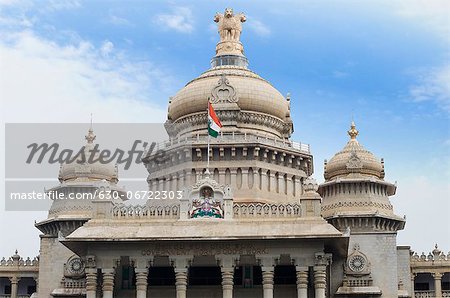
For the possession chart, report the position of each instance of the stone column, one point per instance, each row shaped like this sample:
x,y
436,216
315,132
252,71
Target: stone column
x,y
181,282
256,184
281,186
267,276
298,187
14,286
227,282
141,282
290,185
108,283
273,182
180,184
264,180
233,182
320,281
221,176
160,184
437,284
413,278
244,178
302,281
91,282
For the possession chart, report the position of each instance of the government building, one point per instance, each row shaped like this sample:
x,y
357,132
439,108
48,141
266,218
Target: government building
x,y
247,221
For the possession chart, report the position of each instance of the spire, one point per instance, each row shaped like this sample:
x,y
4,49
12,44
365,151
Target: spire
x,y
90,137
353,132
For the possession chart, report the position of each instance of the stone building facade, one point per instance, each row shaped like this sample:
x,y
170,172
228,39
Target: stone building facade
x,y
249,222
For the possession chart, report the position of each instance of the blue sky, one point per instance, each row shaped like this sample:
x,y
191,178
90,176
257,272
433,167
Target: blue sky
x,y
386,63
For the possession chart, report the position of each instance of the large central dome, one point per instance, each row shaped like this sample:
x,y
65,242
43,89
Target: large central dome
x,y
245,102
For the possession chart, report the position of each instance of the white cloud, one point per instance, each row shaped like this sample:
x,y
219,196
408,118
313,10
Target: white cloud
x,y
107,48
53,5
340,74
432,14
119,21
45,81
433,85
181,20
258,27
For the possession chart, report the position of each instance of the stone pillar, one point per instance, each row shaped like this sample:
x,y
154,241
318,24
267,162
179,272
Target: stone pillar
x,y
91,282
227,282
108,283
160,184
264,180
281,186
297,186
290,185
413,278
181,282
437,284
233,183
267,276
141,282
221,176
256,184
320,281
14,286
302,281
272,182
244,178
180,184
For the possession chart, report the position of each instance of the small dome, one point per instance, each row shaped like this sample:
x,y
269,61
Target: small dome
x,y
81,170
354,159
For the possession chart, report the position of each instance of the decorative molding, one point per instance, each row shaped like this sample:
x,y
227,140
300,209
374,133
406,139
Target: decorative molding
x,y
242,210
357,263
223,92
204,249
346,204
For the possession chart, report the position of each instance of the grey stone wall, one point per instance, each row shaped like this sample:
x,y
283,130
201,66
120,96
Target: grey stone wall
x,y
381,250
404,268
53,255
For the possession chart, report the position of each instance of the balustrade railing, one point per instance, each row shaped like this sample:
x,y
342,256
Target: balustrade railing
x,y
143,211
265,210
234,137
424,294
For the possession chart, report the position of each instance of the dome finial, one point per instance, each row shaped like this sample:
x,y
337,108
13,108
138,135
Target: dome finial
x,y
229,49
353,132
90,137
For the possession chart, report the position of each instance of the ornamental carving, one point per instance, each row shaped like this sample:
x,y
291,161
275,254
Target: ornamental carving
x,y
354,162
203,249
74,268
223,92
205,205
229,25
357,263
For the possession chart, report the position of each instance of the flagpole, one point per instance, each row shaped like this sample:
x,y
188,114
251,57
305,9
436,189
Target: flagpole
x,y
209,137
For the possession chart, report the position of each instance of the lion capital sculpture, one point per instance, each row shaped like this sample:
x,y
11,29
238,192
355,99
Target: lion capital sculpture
x,y
229,25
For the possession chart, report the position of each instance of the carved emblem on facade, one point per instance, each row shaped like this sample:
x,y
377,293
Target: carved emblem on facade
x,y
354,162
357,262
205,205
74,268
223,92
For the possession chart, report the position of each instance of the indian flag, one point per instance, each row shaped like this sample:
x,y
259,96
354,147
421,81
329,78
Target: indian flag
x,y
214,124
